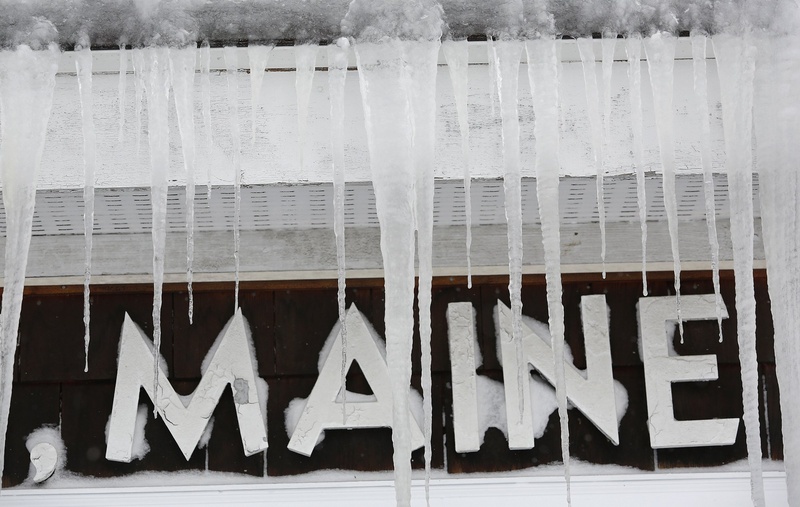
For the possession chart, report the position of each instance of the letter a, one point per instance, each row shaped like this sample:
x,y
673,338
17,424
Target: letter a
x,y
323,411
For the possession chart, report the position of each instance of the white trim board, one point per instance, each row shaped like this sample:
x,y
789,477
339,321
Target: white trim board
x,y
701,489
296,254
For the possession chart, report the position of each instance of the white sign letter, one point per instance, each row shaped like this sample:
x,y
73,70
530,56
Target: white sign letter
x,y
232,363
592,394
661,369
463,362
323,409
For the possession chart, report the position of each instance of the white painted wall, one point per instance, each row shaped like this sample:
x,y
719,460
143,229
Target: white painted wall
x,y
274,158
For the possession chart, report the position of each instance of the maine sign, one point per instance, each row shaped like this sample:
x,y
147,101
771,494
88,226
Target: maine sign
x,y
524,405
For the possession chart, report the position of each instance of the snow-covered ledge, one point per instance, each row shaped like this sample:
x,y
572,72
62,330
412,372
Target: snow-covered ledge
x,y
107,23
697,488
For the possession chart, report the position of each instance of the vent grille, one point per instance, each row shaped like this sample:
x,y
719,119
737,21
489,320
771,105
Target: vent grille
x,y
120,211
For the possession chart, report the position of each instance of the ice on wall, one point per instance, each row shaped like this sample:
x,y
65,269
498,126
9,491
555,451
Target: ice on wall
x,y
83,66
633,51
508,54
205,90
457,55
27,80
543,75
421,58
156,78
660,49
232,68
586,48
701,96
777,128
182,64
385,74
736,64
337,76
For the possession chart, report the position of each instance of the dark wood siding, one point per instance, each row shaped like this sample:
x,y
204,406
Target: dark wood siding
x,y
289,324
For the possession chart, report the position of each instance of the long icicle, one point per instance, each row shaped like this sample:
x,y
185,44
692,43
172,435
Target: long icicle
x,y
258,56
231,64
205,90
337,77
305,61
777,128
633,50
157,87
736,63
543,78
83,66
422,59
457,55
701,97
586,49
608,45
387,115
182,64
27,81
509,53
660,50
122,88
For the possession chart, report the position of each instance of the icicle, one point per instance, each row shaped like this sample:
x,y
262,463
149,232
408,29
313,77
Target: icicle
x,y
633,49
305,61
231,55
586,49
736,63
387,115
157,87
457,55
491,55
258,55
182,64
543,78
701,96
83,65
138,71
27,80
609,44
337,76
660,60
508,59
777,128
205,88
421,58
123,77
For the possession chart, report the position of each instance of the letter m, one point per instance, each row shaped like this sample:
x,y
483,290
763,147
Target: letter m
x,y
231,363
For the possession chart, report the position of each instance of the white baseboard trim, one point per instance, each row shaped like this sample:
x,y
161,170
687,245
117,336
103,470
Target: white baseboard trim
x,y
728,489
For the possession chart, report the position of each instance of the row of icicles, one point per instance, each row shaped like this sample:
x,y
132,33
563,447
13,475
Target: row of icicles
x,y
398,82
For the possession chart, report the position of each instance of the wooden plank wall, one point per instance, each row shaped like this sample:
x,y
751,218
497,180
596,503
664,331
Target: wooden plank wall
x,y
290,322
